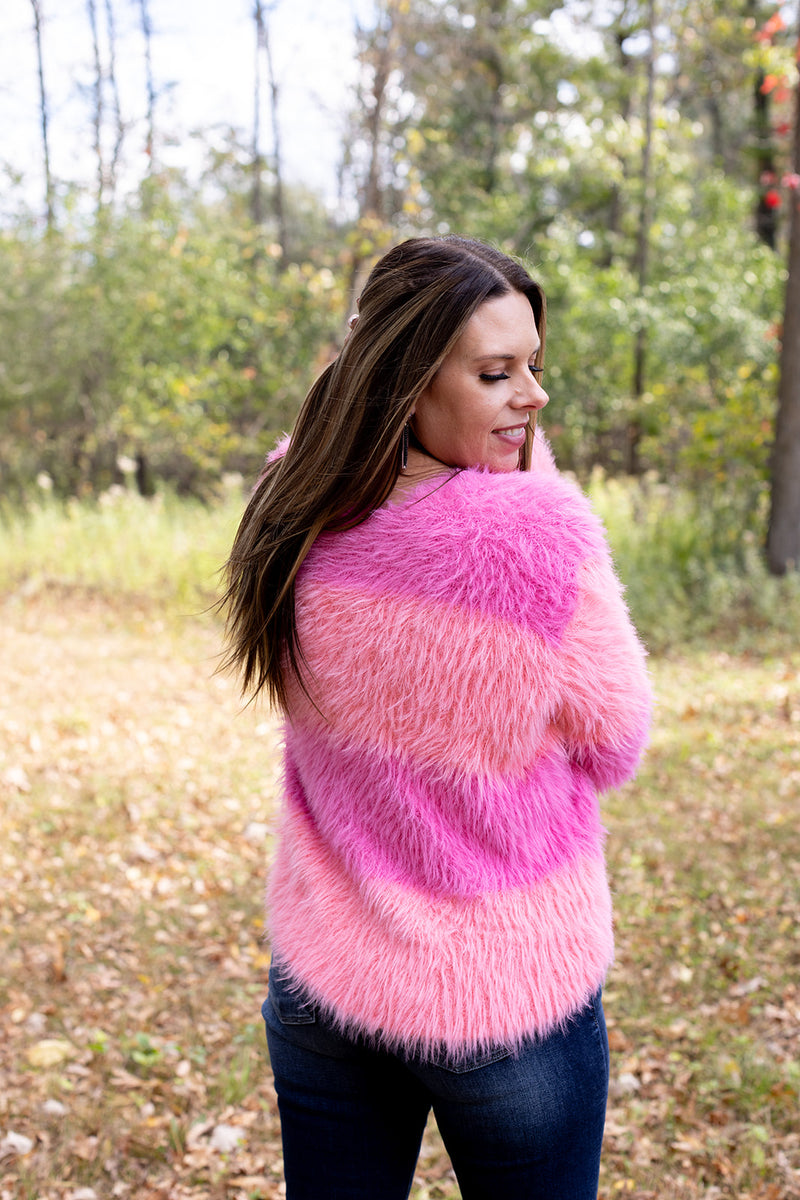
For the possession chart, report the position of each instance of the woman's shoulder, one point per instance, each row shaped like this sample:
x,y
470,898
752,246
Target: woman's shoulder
x,y
507,546
529,505
528,524
472,520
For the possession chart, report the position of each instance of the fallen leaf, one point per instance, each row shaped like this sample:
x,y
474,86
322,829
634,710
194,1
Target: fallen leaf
x,y
227,1138
50,1052
14,1144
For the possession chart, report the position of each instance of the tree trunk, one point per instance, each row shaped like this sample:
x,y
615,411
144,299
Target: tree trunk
x,y
642,261
97,116
783,539
379,57
491,61
48,178
147,33
119,128
372,205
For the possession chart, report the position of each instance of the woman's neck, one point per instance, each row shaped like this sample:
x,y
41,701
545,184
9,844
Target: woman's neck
x,y
420,466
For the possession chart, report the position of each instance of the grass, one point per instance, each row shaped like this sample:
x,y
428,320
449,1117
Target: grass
x,y
704,997
137,800
164,550
692,564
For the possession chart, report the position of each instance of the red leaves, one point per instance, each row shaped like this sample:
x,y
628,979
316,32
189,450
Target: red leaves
x,y
778,87
775,24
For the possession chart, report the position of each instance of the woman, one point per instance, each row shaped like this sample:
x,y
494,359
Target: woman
x,y
435,610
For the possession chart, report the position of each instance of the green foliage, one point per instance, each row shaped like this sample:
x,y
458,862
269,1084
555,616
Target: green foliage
x,y
167,342
172,339
480,73
143,1053
589,353
692,563
710,313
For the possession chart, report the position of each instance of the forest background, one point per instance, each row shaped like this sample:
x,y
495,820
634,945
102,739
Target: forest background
x,y
161,325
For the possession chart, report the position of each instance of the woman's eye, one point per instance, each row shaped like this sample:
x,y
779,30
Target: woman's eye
x,y
493,378
535,370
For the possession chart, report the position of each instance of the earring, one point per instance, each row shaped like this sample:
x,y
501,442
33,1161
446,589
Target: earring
x,y
404,447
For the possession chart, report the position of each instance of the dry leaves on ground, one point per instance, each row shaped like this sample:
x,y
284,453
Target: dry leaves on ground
x,y
137,808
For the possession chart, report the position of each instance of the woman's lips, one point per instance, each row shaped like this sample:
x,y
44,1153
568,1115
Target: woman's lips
x,y
514,435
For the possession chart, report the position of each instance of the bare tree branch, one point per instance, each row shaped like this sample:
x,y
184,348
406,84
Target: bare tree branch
x,y
256,204
262,26
147,32
48,178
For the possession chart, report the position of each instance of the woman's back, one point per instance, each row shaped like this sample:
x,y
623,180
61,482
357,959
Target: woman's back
x,y
438,820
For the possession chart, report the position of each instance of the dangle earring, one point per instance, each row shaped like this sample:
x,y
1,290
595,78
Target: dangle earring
x,y
404,447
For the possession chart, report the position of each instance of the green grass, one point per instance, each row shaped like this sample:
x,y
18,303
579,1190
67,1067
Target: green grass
x,y
692,566
122,545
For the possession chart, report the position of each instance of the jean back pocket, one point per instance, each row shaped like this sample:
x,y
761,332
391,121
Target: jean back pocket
x,y
291,1005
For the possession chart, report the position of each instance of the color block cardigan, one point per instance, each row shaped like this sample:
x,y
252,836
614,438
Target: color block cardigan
x,y
439,882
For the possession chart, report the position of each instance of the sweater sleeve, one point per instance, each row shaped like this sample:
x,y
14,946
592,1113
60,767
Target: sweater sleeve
x,y
605,691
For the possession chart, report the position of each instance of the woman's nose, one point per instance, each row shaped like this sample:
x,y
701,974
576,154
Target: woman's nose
x,y
532,394
542,397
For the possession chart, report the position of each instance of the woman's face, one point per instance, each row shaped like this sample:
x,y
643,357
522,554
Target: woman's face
x,y
477,408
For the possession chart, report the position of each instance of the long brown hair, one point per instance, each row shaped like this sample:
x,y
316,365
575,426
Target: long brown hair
x,y
343,458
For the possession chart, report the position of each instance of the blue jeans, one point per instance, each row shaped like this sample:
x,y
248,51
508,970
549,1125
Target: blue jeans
x,y
517,1126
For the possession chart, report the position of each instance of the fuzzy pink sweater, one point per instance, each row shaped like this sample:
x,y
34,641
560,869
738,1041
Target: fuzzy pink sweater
x,y
440,878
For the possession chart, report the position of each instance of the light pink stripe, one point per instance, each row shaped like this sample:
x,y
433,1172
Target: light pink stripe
x,y
405,968
468,693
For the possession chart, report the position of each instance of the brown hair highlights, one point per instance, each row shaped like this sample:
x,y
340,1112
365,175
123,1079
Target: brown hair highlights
x,y
343,458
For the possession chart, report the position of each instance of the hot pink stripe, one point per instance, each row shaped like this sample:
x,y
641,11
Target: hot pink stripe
x,y
398,965
446,835
466,521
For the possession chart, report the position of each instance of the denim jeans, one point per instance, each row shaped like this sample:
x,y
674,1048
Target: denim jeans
x,y
517,1126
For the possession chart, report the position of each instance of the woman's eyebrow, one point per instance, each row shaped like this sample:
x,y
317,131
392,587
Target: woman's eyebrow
x,y
504,357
